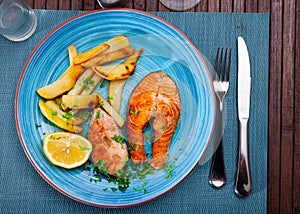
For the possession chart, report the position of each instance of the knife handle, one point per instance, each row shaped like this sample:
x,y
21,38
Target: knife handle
x,y
243,183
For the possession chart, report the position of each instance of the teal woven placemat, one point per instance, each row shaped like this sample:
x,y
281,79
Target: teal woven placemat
x,y
24,191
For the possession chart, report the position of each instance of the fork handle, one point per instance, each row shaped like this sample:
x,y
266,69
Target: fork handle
x,y
217,175
243,183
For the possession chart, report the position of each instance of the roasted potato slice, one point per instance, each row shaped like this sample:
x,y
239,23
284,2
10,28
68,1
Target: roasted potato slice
x,y
115,93
119,71
79,101
68,117
84,82
109,57
61,85
117,43
95,79
83,57
55,118
110,110
72,53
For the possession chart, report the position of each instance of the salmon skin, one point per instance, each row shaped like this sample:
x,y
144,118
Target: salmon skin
x,y
102,133
155,97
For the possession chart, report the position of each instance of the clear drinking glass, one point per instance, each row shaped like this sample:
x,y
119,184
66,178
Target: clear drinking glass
x,y
17,20
180,5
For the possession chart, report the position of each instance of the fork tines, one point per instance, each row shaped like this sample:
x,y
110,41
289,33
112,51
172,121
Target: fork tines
x,y
221,70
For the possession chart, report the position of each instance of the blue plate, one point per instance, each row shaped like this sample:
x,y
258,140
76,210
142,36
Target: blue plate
x,y
167,49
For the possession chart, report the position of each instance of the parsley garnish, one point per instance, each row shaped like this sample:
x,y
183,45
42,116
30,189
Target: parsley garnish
x,y
100,105
169,170
98,114
68,115
143,189
38,126
120,139
87,83
84,148
164,127
53,113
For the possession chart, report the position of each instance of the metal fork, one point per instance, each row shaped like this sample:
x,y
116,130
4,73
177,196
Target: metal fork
x,y
217,176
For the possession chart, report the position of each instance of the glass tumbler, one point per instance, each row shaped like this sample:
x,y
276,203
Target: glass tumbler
x,y
17,20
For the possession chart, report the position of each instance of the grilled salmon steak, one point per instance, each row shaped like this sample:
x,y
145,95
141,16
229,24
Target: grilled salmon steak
x,y
103,133
155,97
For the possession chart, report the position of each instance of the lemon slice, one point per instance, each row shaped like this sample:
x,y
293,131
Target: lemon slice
x,y
66,149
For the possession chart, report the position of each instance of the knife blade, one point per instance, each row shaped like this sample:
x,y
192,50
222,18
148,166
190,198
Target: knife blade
x,y
243,183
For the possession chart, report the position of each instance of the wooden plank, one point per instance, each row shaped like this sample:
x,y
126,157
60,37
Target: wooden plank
x,y
40,4
162,8
296,171
52,5
275,77
213,5
263,6
151,5
89,4
239,5
287,123
76,5
30,3
64,5
251,6
139,4
130,4
202,6
227,6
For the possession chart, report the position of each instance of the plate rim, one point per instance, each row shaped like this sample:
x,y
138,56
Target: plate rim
x,y
40,43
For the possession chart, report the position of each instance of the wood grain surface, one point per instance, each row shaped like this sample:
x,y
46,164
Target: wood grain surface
x,y
284,84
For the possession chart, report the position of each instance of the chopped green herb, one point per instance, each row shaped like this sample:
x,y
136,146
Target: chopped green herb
x,y
131,112
143,189
98,114
38,126
102,85
100,105
114,189
105,189
87,83
53,113
55,138
169,170
164,127
120,139
109,98
68,115
84,148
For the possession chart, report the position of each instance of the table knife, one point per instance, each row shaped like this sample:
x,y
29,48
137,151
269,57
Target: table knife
x,y
243,183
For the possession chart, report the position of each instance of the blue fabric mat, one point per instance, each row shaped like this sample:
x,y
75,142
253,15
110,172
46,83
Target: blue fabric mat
x,y
23,190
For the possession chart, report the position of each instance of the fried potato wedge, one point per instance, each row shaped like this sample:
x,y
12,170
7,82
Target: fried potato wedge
x,y
53,117
117,43
84,82
79,101
119,71
68,117
95,79
83,57
72,53
110,110
61,85
109,57
115,91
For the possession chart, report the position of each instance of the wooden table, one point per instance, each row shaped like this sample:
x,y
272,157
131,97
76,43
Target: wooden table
x,y
284,85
